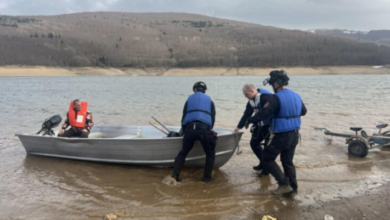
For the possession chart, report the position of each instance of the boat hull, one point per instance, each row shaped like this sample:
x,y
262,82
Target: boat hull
x,y
149,149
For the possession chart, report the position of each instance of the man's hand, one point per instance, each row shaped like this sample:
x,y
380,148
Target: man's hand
x,y
236,130
84,130
61,131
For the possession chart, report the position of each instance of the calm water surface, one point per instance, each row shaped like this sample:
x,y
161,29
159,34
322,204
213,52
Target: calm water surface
x,y
34,187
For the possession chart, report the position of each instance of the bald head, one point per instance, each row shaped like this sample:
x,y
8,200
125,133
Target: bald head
x,y
248,87
249,91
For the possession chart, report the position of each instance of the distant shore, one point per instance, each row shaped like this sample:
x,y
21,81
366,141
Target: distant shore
x,y
200,71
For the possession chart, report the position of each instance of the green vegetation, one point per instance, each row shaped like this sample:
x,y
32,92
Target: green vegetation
x,y
198,24
11,21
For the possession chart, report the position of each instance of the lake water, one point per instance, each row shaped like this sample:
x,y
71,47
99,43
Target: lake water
x,y
34,187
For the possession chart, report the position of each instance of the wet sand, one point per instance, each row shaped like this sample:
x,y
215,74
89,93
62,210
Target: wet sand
x,y
43,188
330,181
206,71
374,204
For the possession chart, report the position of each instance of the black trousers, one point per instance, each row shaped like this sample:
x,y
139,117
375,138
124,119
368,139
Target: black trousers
x,y
193,132
72,133
259,133
283,144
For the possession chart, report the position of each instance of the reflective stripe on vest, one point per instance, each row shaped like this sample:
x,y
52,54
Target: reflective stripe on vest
x,y
198,109
78,120
256,106
255,103
289,118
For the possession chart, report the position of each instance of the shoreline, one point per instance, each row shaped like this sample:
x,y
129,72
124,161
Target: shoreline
x,y
200,71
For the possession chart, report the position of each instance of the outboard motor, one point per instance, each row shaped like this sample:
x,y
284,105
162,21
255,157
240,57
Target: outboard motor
x,y
173,134
50,123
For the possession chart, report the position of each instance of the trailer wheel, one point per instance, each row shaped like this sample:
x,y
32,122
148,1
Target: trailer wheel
x,y
357,148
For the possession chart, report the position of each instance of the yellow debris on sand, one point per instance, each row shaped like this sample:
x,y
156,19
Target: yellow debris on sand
x,y
268,217
110,217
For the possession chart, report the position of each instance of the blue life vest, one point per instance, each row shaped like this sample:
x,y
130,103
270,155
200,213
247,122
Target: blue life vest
x,y
289,117
256,106
263,91
198,109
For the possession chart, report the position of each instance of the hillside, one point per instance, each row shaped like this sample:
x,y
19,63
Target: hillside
x,y
171,40
375,36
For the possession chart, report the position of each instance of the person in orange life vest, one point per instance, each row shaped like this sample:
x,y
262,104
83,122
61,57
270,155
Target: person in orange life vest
x,y
80,120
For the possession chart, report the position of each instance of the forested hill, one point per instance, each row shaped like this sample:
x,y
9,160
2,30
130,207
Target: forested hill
x,y
171,40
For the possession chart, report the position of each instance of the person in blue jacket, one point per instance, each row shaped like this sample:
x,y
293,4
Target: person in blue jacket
x,y
260,131
286,109
197,123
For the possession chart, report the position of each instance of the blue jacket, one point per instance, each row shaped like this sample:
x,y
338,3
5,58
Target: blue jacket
x,y
198,109
289,117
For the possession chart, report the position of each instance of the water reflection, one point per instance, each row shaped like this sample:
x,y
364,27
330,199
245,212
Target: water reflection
x,y
94,185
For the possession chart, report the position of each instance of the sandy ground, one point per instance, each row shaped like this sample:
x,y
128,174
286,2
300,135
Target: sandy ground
x,y
212,71
374,205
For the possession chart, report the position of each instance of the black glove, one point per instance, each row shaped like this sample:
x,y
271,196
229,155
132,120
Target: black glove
x,y
251,120
247,123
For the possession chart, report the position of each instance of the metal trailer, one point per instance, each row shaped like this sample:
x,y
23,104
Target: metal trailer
x,y
359,144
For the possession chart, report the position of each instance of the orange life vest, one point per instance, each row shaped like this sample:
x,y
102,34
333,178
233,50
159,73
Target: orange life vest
x,y
78,120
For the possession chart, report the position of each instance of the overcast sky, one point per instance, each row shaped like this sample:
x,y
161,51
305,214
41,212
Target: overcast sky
x,y
293,14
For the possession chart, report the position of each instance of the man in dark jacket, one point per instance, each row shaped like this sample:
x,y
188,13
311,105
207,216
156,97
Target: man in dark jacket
x,y
260,131
286,108
197,121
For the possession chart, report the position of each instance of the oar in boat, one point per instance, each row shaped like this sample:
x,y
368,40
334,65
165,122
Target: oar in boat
x,y
170,133
161,124
158,128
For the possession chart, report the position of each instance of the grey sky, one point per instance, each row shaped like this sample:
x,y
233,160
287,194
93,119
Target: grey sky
x,y
293,14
